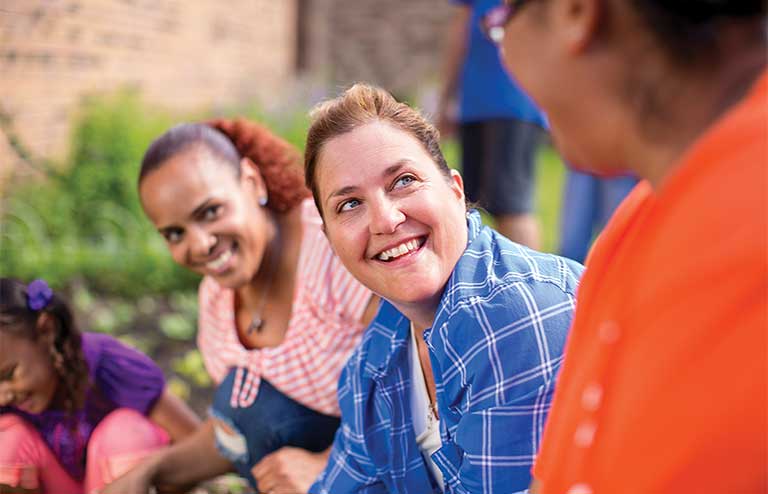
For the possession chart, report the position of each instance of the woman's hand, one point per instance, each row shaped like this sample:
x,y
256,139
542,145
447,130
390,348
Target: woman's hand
x,y
289,470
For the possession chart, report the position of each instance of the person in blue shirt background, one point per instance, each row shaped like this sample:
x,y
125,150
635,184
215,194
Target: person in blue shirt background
x,y
499,127
451,385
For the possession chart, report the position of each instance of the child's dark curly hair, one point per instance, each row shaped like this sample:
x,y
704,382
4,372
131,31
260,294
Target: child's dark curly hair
x,y
17,318
279,162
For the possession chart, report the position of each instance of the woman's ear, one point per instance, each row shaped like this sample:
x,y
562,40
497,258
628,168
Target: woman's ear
x,y
252,177
457,185
578,23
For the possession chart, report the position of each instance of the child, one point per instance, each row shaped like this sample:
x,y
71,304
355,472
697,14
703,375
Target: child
x,y
76,410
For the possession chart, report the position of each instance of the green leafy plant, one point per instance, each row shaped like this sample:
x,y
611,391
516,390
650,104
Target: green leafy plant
x,y
85,221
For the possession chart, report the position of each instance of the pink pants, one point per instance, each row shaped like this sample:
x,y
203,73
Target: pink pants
x,y
117,444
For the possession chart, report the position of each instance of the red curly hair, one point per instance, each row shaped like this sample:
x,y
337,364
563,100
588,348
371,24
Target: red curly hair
x,y
280,163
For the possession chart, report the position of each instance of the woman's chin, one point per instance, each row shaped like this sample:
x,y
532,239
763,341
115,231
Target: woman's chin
x,y
232,280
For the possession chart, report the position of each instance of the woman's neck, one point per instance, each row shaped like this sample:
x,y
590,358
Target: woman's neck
x,y
421,314
691,105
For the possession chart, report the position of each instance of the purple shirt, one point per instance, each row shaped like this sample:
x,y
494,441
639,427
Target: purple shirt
x,y
122,377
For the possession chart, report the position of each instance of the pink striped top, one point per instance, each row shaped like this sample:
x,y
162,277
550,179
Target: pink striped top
x,y
323,329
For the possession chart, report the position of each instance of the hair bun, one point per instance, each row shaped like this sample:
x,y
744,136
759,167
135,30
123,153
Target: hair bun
x,y
279,162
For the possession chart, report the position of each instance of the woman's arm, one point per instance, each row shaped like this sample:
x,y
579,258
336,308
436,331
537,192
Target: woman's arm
x,y
191,460
173,415
455,53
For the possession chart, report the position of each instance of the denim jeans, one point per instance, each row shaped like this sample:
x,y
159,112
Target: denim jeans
x,y
271,422
588,203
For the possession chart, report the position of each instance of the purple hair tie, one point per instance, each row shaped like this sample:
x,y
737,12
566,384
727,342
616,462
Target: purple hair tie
x,y
39,294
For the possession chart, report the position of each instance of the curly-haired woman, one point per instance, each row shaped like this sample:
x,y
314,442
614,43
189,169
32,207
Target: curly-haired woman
x,y
278,313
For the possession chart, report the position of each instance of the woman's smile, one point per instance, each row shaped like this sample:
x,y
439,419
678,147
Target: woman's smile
x,y
404,249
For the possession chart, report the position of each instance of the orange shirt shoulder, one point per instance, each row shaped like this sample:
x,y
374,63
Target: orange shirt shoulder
x,y
664,385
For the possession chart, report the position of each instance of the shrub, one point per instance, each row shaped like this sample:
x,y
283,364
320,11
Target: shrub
x,y
86,222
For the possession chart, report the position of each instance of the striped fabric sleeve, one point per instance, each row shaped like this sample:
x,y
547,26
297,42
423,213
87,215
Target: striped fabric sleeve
x,y
329,282
207,330
348,293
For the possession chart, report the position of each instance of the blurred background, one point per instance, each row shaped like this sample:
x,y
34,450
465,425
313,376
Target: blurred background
x,y
86,84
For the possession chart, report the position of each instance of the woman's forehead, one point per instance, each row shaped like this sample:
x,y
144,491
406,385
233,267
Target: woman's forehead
x,y
172,192
368,148
190,171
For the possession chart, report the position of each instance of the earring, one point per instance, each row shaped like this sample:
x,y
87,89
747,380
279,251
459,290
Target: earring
x,y
263,201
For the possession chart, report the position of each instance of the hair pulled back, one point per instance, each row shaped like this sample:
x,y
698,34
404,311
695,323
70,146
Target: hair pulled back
x,y
229,140
688,29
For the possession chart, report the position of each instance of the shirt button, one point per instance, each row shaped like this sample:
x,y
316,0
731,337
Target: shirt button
x,y
591,397
609,332
585,434
580,489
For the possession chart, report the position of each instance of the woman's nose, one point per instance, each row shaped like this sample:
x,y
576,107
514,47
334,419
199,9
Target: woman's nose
x,y
201,242
385,216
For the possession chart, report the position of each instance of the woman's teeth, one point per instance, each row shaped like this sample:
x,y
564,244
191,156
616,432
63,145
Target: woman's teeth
x,y
220,261
399,250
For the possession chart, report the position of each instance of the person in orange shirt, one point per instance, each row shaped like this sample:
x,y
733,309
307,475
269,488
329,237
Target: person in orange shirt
x,y
663,388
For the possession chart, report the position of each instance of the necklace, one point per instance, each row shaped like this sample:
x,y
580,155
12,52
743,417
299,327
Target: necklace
x,y
257,321
432,417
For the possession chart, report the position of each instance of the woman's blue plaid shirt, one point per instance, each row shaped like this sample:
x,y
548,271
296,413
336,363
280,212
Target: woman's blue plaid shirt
x,y
495,345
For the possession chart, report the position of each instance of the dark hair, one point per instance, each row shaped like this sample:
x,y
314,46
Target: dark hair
x,y
688,29
229,140
66,344
359,105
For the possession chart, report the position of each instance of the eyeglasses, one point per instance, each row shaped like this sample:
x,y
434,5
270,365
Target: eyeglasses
x,y
496,19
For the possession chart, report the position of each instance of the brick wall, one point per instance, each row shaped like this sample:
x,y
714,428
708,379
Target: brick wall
x,y
394,43
189,54
181,54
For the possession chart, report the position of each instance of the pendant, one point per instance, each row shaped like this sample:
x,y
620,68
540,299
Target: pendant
x,y
256,324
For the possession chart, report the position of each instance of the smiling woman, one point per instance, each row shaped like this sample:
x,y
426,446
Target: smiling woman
x,y
278,314
450,387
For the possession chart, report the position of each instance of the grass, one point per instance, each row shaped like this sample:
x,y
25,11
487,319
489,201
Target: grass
x,y
550,178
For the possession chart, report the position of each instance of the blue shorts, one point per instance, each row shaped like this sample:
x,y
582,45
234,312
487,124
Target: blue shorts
x,y
271,422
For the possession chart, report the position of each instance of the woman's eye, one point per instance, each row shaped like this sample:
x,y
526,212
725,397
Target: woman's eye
x,y
348,205
211,212
172,236
404,181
